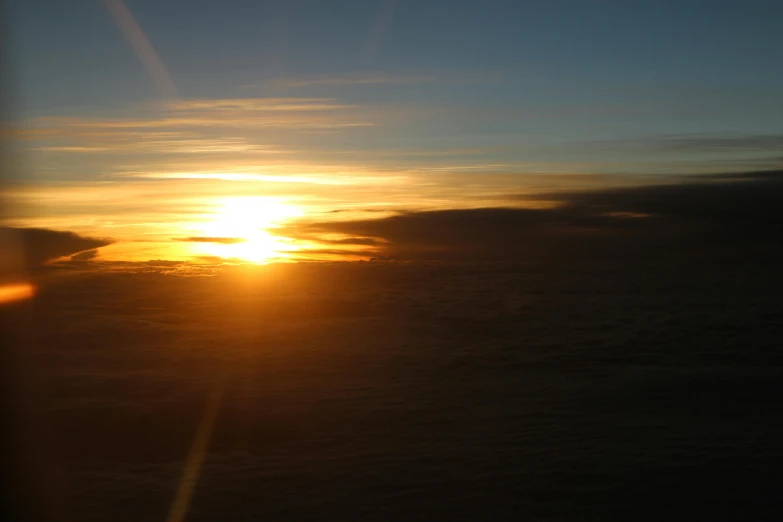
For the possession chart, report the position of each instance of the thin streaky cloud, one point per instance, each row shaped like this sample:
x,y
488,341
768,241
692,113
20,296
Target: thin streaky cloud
x,y
225,122
257,104
318,179
136,37
222,120
233,112
71,149
357,79
208,239
378,77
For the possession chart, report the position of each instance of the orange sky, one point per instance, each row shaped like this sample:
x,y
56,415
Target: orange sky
x,y
138,127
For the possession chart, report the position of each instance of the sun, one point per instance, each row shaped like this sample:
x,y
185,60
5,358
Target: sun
x,y
247,224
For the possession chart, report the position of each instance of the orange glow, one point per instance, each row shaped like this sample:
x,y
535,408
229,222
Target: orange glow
x,y
16,292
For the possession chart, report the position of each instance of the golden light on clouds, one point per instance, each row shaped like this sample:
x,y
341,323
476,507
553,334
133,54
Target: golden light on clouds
x,y
202,180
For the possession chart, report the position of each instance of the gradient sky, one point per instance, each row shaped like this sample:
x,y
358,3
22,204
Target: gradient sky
x,y
266,111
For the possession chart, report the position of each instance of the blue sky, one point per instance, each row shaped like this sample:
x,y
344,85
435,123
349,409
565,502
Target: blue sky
x,y
70,53
665,66
443,93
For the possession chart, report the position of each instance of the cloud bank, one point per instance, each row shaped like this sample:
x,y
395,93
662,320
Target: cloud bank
x,y
718,215
40,245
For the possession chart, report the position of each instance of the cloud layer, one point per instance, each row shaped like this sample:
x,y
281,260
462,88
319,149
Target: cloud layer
x,y
378,392
39,245
717,215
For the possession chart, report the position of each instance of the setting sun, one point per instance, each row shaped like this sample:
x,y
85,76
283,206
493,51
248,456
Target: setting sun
x,y
389,260
240,229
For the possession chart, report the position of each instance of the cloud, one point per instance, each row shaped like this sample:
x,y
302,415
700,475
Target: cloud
x,y
255,104
342,210
364,241
85,256
332,253
374,78
190,125
490,233
149,143
221,240
713,215
163,262
747,202
239,118
233,175
744,148
357,79
665,378
71,149
40,245
732,143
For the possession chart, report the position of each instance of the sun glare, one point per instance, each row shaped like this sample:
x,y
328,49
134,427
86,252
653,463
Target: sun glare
x,y
247,225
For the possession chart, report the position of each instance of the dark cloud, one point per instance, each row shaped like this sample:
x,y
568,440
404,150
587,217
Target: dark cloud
x,y
710,215
485,233
761,175
763,162
718,151
733,143
40,245
221,240
505,391
747,202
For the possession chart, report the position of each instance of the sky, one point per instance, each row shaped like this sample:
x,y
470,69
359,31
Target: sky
x,y
202,130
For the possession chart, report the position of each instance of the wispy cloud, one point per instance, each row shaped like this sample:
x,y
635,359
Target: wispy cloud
x,y
71,149
722,143
175,117
250,126
218,240
691,143
140,143
251,176
256,104
213,119
379,77
205,145
357,79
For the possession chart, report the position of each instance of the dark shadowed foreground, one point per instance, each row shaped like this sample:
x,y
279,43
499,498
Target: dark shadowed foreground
x,y
374,391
